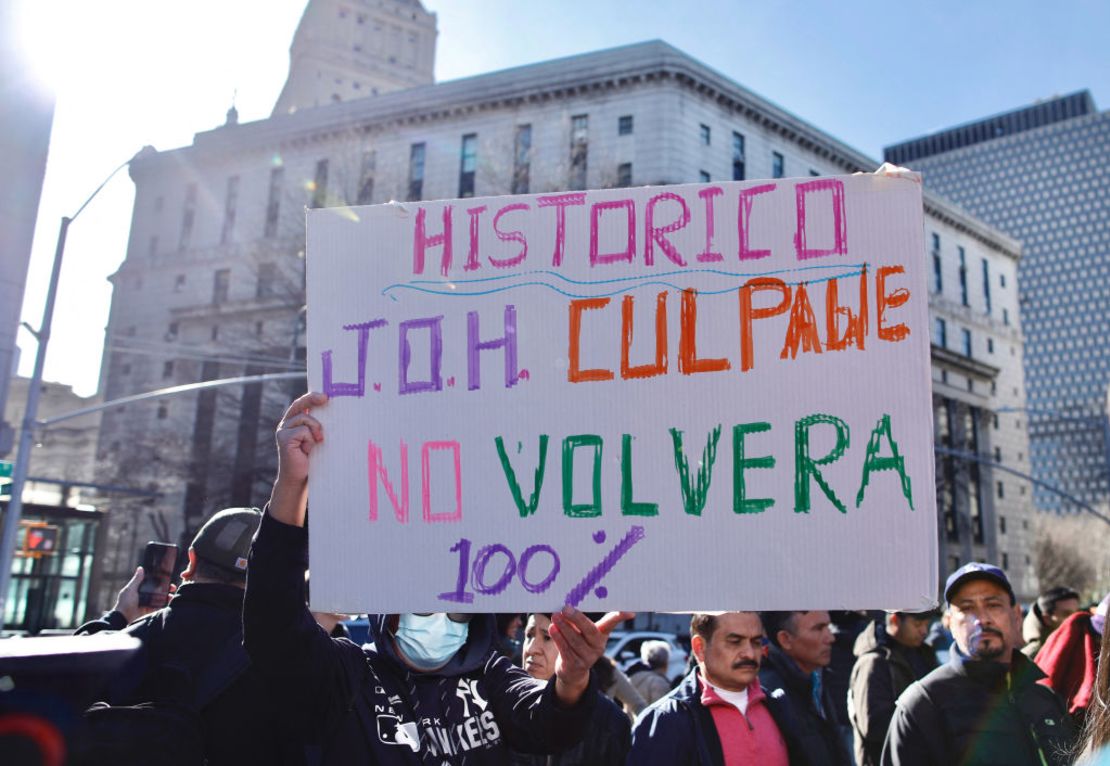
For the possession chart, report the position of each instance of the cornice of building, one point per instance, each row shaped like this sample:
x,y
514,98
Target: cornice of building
x,y
583,74
963,221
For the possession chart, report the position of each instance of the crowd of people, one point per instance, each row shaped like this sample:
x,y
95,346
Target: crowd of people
x,y
267,681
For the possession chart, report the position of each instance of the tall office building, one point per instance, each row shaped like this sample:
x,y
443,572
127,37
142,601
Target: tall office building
x,y
1042,175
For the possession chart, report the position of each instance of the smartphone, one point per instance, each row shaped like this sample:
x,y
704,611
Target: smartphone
x,y
159,564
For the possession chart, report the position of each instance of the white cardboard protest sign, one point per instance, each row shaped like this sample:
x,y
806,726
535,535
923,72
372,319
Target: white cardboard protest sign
x,y
702,397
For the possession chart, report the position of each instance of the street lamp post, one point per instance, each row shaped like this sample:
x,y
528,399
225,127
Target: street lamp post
x,y
30,412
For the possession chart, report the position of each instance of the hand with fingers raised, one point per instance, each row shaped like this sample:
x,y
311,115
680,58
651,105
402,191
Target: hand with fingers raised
x,y
580,642
297,435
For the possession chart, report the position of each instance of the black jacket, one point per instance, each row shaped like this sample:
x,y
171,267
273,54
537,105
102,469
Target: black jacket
x,y
678,730
361,705
884,669
605,743
815,734
243,724
980,713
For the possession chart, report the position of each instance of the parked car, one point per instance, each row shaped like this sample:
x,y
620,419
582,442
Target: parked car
x,y
624,647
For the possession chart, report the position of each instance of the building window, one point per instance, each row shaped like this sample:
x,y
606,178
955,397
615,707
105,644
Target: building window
x,y
704,134
703,176
974,488
624,174
125,369
579,150
737,157
1002,280
1001,525
940,332
231,202
1005,560
965,341
214,333
320,184
813,173
258,328
990,345
987,287
1000,488
624,125
1006,317
366,179
946,466
416,172
171,331
273,201
778,165
167,370
267,279
963,276
187,217
163,410
938,274
468,162
522,159
221,281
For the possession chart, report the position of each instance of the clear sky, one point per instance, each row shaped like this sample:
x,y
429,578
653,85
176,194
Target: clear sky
x,y
133,72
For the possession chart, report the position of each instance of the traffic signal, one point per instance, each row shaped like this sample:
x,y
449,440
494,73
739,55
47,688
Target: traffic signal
x,y
40,539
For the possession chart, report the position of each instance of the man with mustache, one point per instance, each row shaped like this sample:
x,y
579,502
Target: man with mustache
x,y
985,706
719,715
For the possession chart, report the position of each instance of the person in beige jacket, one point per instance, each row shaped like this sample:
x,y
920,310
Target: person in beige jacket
x,y
652,682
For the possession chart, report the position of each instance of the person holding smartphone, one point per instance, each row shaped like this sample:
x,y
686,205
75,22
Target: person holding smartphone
x,y
192,654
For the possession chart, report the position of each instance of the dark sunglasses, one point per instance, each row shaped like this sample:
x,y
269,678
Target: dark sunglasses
x,y
452,616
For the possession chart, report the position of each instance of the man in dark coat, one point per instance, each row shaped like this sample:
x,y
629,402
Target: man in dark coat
x,y
719,714
431,689
196,641
795,671
891,655
984,707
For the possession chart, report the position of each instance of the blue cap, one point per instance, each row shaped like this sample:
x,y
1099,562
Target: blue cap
x,y
976,571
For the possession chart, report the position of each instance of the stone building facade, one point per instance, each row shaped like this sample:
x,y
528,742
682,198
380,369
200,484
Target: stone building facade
x,y
213,280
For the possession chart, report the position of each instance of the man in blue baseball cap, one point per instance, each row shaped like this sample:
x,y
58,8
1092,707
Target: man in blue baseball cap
x,y
985,705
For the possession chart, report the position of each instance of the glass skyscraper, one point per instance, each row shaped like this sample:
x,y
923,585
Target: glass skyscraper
x,y
1042,175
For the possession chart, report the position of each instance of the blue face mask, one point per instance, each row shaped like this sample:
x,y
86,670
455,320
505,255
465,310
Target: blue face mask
x,y
430,641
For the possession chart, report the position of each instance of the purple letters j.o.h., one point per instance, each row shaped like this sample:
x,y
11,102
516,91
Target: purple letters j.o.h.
x,y
435,383
475,346
333,389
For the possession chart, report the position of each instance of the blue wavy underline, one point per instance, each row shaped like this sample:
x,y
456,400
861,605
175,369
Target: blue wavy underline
x,y
646,280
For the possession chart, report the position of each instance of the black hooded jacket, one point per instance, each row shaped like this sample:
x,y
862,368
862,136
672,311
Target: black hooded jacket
x,y
362,705
884,670
814,732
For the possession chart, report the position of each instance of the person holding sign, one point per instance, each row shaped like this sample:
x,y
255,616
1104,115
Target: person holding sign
x,y
431,688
